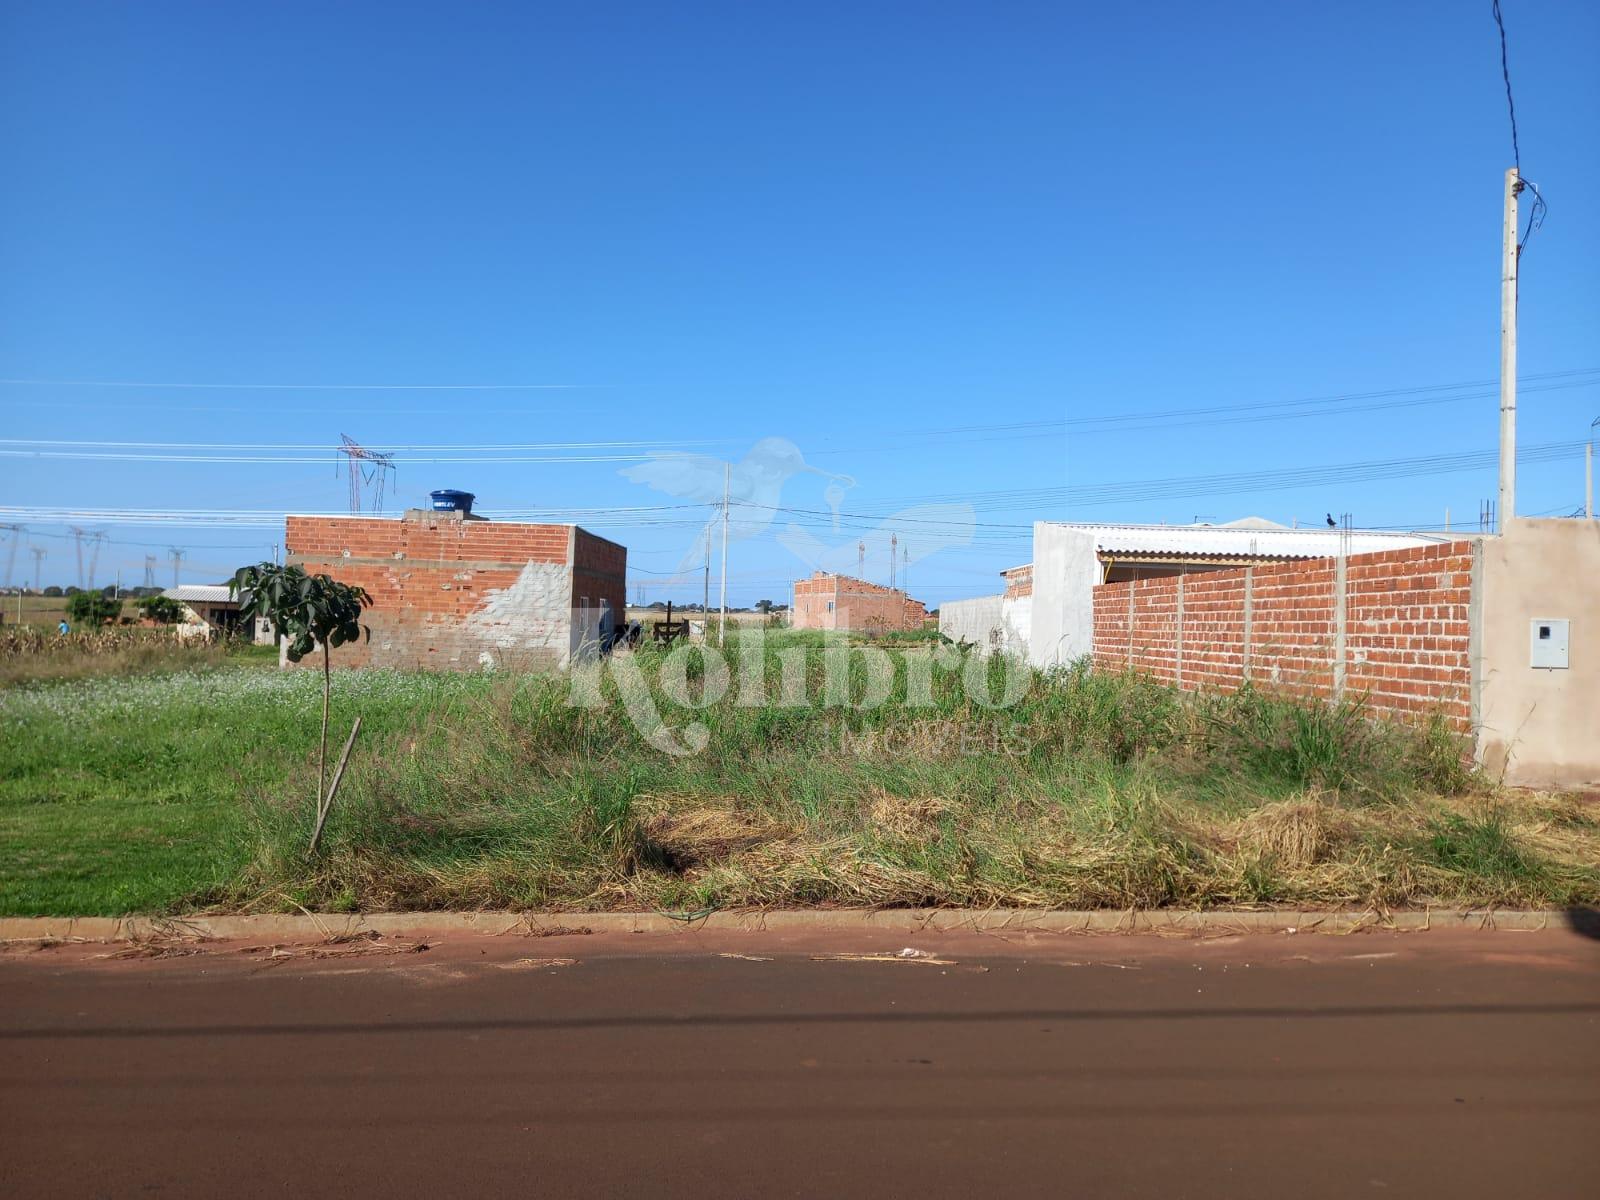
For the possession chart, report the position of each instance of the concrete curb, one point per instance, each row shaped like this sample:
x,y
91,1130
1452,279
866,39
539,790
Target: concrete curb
x,y
1188,923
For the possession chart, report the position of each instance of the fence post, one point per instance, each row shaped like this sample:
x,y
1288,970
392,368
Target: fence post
x,y
1180,632
1340,607
1249,616
1132,586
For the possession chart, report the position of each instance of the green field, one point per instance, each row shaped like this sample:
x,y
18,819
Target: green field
x,y
170,790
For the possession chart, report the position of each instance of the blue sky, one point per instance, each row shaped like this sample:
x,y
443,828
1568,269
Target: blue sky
x,y
844,225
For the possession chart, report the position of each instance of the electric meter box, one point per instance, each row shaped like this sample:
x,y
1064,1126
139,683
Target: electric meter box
x,y
1547,643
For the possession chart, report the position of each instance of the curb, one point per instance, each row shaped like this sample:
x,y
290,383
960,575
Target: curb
x,y
1171,922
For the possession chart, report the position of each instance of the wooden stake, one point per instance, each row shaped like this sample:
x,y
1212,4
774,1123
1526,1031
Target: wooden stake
x,y
333,789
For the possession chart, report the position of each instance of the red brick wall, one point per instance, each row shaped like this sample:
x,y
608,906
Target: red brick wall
x,y
450,594
1407,632
600,572
1019,581
859,605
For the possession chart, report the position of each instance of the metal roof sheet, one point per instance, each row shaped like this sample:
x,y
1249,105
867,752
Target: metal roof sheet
x,y
1247,541
205,593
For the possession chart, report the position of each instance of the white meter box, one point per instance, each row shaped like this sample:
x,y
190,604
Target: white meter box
x,y
1547,643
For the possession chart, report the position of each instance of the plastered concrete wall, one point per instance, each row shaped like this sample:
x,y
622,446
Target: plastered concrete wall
x,y
1541,727
450,594
1065,571
978,621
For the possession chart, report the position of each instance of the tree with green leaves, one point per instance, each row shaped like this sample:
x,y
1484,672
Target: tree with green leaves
x,y
91,608
161,609
306,611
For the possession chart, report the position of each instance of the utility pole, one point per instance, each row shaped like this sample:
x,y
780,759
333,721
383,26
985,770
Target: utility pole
x,y
861,559
722,621
894,549
1588,472
905,569
1508,354
705,603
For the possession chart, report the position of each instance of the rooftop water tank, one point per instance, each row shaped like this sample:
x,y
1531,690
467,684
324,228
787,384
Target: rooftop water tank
x,y
450,500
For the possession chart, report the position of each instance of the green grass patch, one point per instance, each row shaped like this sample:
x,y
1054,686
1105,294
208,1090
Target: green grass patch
x,y
166,792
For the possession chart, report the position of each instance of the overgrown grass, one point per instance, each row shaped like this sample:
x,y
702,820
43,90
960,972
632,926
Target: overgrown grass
x,y
30,655
485,791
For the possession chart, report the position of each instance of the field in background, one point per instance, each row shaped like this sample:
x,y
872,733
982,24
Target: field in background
x,y
45,611
169,790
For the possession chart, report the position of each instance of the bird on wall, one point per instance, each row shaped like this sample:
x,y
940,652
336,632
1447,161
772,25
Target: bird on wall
x,y
1332,524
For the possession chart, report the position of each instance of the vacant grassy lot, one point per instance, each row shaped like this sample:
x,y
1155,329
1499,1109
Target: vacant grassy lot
x,y
193,789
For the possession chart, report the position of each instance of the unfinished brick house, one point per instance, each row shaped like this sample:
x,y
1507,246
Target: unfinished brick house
x,y
827,601
454,592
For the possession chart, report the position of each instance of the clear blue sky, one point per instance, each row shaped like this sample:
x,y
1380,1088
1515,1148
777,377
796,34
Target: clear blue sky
x,y
845,225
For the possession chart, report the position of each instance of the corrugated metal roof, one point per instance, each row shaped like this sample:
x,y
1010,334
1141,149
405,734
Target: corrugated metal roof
x,y
204,593
1243,541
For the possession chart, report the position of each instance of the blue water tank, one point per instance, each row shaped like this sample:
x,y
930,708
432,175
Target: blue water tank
x,y
450,500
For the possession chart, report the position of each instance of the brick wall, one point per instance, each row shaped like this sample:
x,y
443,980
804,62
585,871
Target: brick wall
x,y
1407,632
1019,581
451,594
857,605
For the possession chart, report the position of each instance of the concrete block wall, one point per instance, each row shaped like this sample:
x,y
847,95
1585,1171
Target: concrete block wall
x,y
453,594
1404,641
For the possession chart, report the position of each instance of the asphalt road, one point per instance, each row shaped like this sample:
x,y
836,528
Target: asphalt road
x,y
1432,1064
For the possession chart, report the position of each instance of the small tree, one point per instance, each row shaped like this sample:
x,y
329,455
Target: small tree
x,y
161,609
91,608
305,611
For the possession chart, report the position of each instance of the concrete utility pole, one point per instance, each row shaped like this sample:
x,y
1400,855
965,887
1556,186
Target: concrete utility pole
x,y
1508,354
705,603
894,548
722,621
1588,472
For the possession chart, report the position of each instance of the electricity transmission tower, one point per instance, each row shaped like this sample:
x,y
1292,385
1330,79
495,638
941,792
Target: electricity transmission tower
x,y
150,571
176,554
96,540
366,468
39,555
12,543
77,544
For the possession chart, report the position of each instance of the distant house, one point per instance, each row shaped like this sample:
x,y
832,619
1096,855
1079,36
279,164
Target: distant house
x,y
212,611
827,601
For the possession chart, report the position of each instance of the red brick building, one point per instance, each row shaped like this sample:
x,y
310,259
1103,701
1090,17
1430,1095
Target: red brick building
x,y
452,592
827,601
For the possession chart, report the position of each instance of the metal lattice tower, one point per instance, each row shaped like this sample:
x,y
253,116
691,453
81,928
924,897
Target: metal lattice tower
x,y
77,544
96,540
176,553
39,555
150,571
366,468
12,543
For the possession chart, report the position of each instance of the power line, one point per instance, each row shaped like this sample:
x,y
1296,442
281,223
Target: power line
x,y
310,387
1539,209
1505,73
